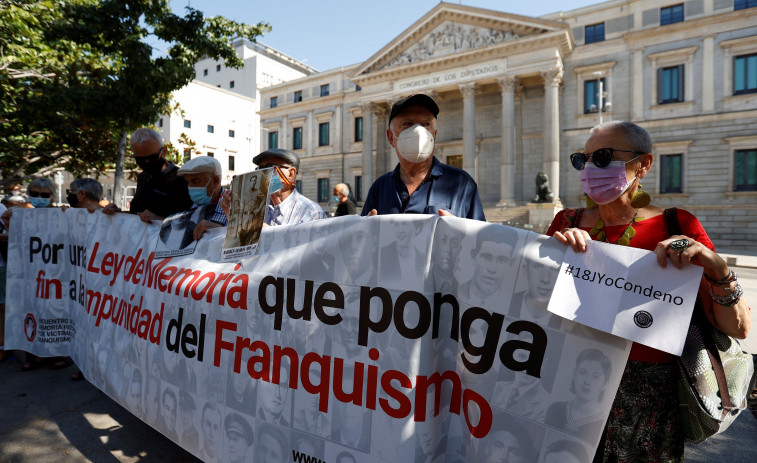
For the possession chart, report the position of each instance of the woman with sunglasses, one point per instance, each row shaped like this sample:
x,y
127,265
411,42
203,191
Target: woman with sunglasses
x,y
644,424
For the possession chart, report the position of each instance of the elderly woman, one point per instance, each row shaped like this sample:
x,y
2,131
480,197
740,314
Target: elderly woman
x,y
644,424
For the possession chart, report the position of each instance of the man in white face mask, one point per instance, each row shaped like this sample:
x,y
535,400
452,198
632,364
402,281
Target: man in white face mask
x,y
420,183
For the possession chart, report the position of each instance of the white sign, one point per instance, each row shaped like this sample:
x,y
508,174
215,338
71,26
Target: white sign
x,y
624,291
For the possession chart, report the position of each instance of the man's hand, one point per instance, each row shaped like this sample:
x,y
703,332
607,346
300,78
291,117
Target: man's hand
x,y
6,218
111,209
201,227
148,216
373,212
225,202
445,213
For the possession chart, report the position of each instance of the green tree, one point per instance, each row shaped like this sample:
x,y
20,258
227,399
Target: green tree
x,y
92,74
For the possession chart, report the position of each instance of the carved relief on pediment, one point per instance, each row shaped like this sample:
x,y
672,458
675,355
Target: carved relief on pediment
x,y
450,38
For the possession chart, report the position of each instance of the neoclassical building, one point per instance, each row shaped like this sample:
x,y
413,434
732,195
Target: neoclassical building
x,y
518,94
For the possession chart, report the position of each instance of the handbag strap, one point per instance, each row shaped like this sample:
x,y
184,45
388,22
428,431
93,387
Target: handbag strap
x,y
698,319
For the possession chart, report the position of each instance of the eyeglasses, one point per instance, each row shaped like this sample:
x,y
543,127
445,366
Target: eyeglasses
x,y
601,157
268,166
39,194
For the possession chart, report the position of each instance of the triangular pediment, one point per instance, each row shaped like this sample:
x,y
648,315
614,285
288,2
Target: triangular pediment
x,y
451,29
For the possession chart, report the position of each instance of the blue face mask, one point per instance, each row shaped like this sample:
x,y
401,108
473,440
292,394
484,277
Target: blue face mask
x,y
39,202
199,194
335,198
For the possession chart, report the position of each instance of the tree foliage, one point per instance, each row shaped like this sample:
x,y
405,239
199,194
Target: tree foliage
x,y
78,75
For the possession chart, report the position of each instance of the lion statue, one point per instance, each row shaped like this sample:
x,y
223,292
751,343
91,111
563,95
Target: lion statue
x,y
543,192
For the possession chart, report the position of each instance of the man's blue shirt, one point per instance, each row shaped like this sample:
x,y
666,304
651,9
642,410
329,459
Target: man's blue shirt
x,y
447,188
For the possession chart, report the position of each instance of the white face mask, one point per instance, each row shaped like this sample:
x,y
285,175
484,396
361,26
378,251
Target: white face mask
x,y
415,144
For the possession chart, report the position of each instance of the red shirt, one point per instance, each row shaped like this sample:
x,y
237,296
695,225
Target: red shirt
x,y
649,232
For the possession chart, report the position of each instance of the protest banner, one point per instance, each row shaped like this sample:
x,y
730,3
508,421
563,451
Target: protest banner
x,y
391,338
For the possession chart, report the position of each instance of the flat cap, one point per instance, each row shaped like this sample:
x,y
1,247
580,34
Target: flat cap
x,y
201,165
285,155
418,99
235,423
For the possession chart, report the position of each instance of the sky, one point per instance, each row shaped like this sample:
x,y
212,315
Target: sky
x,y
326,34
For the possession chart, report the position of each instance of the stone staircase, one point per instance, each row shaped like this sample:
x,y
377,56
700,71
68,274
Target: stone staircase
x,y
513,216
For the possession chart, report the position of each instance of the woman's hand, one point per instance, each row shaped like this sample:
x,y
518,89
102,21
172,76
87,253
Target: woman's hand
x,y
733,320
574,237
683,250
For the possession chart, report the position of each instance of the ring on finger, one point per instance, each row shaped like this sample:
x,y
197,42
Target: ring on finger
x,y
680,245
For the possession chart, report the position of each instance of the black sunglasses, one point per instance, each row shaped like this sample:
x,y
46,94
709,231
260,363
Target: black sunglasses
x,y
601,157
37,194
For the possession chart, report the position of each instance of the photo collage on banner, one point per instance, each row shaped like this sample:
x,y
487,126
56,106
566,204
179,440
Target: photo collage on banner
x,y
250,198
394,339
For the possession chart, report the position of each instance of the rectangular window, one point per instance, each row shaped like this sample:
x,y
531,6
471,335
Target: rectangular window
x,y
745,74
358,129
745,170
231,134
323,190
323,134
187,154
211,129
670,85
218,68
591,95
671,173
325,90
160,122
211,154
594,33
298,96
297,138
231,84
298,185
455,161
187,123
743,4
358,188
274,101
671,14
273,140
358,88
231,163
205,72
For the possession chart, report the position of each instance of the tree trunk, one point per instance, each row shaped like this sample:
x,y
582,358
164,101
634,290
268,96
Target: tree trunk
x,y
118,177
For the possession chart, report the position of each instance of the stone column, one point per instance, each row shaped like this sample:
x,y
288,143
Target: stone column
x,y
367,159
551,160
637,78
469,128
283,135
384,157
708,74
507,85
310,142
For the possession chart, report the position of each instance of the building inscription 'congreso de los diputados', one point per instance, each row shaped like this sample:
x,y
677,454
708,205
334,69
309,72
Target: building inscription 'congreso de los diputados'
x,y
519,94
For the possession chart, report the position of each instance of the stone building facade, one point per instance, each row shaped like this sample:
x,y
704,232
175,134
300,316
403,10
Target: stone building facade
x,y
519,94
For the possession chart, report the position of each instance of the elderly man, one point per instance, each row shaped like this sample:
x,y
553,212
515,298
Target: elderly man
x,y
342,198
287,206
420,183
160,192
203,177
85,193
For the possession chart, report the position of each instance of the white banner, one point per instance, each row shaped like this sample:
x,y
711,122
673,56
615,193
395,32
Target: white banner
x,y
391,338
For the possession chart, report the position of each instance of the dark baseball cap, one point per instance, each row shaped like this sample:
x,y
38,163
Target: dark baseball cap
x,y
235,423
285,155
418,99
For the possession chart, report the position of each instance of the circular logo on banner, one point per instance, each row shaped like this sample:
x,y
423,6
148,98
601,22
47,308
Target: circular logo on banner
x,y
643,319
30,327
